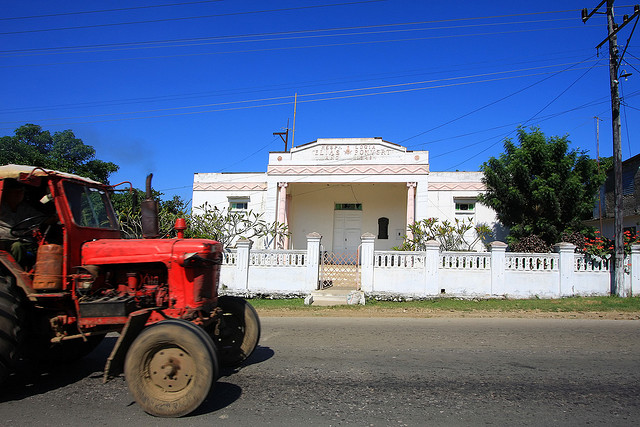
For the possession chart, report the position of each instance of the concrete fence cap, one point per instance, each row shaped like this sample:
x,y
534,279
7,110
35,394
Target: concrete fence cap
x,y
498,244
564,246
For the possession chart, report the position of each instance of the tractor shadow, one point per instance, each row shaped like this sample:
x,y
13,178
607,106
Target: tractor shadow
x,y
39,377
223,393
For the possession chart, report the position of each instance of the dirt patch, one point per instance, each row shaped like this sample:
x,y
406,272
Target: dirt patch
x,y
426,313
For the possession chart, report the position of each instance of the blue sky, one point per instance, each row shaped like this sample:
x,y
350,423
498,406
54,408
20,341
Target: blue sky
x,y
178,87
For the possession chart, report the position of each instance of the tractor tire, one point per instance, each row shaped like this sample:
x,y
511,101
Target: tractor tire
x,y
238,332
12,326
171,367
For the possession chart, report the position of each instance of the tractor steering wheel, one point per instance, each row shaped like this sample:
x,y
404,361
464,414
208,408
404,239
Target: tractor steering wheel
x,y
27,226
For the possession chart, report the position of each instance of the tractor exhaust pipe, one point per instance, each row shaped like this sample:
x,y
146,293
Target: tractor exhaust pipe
x,y
149,213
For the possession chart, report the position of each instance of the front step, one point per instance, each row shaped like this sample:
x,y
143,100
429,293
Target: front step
x,y
330,297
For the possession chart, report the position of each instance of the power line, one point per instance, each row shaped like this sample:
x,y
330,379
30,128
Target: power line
x,y
247,38
121,9
279,98
271,49
531,118
250,155
562,93
495,102
541,119
296,85
152,21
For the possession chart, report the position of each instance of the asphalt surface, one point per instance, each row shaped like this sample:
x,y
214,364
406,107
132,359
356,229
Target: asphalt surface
x,y
377,372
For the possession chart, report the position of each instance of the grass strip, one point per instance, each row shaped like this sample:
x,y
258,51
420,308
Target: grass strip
x,y
572,304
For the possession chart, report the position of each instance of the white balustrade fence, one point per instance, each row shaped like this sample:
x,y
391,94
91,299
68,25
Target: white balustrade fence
x,y
432,273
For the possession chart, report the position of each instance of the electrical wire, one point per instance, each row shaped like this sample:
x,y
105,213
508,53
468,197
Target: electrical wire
x,y
626,122
529,120
496,101
249,156
271,104
285,48
291,86
121,9
249,38
154,21
230,178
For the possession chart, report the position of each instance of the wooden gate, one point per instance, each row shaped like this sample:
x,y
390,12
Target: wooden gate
x,y
339,270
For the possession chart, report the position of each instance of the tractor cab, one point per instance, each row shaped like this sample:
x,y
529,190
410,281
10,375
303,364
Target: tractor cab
x,y
47,215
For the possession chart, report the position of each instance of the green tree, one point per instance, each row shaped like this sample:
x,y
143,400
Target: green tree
x,y
540,187
129,214
30,145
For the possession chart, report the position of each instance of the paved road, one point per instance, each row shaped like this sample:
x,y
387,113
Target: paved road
x,y
380,372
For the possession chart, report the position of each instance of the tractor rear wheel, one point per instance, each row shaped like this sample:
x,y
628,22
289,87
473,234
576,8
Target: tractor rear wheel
x,y
12,318
238,331
170,368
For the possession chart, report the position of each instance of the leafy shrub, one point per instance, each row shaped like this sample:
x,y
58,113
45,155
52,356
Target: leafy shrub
x,y
226,226
452,236
576,238
530,244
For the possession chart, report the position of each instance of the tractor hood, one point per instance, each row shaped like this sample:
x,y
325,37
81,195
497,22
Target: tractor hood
x,y
119,251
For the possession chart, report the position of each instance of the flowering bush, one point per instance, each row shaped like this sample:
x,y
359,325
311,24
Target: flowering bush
x,y
602,247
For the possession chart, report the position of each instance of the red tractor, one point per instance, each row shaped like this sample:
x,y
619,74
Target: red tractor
x,y
67,278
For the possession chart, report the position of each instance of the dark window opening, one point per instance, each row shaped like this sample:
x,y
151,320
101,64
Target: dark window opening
x,y
383,228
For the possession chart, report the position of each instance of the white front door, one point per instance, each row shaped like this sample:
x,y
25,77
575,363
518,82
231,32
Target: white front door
x,y
347,229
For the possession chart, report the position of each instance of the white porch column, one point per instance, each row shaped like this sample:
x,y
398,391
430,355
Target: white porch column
x,y
411,206
366,264
282,213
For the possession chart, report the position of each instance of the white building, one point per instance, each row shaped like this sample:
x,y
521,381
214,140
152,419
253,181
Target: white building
x,y
344,187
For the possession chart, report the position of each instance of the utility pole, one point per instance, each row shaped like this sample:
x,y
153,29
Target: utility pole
x,y
618,243
284,136
295,106
617,286
598,120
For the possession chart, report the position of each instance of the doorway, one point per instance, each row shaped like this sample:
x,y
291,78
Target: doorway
x,y
347,229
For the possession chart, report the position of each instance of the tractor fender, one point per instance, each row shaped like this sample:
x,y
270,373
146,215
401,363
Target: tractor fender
x,y
14,269
135,324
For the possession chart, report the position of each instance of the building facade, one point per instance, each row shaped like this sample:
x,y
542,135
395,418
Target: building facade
x,y
604,211
342,188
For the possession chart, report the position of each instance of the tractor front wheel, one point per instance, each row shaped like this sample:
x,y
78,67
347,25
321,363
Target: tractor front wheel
x,y
12,318
171,367
238,331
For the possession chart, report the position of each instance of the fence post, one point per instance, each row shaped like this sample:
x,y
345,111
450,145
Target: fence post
x,y
366,262
635,270
312,261
431,267
566,267
498,267
242,263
